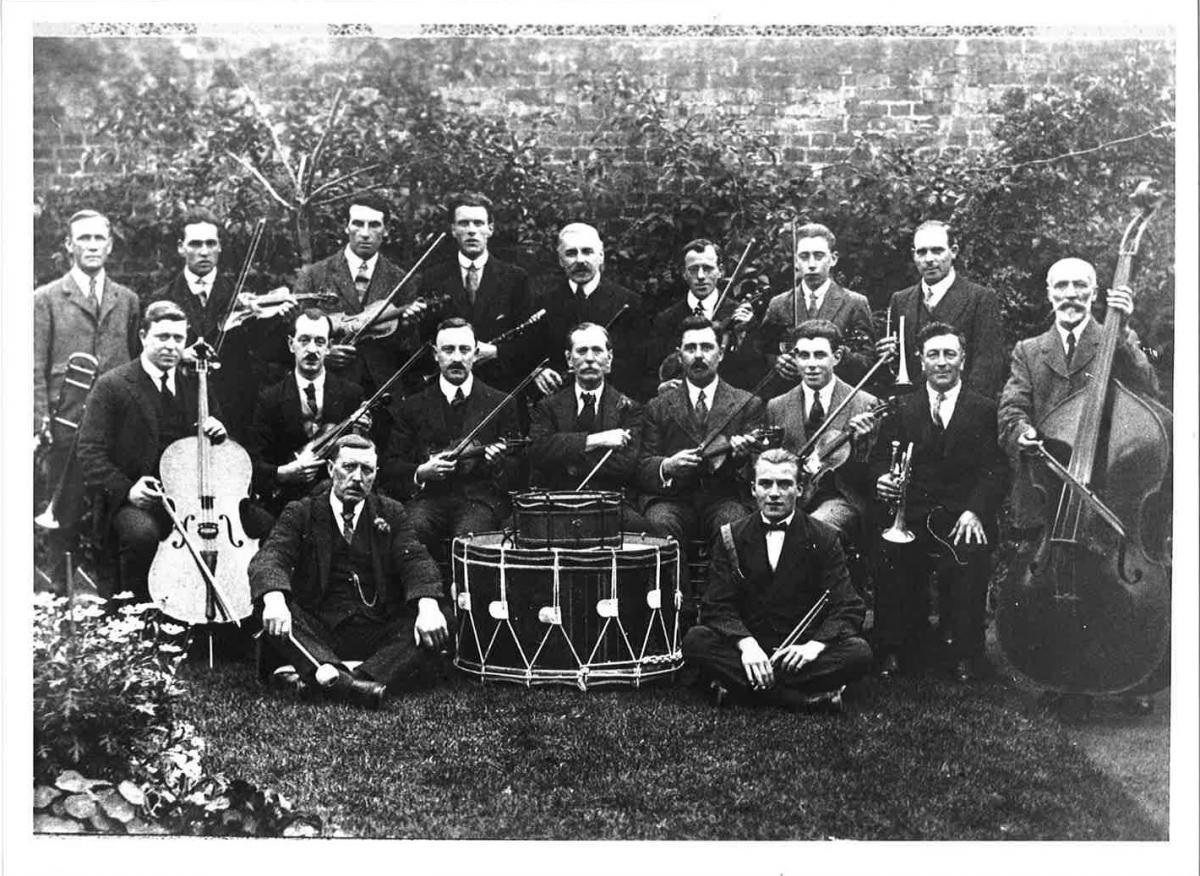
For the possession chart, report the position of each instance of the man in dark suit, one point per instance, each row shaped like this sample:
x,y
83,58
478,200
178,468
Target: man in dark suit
x,y
819,298
362,277
448,496
203,293
343,577
493,296
744,364
583,423
290,413
944,296
768,570
135,412
955,485
586,296
684,495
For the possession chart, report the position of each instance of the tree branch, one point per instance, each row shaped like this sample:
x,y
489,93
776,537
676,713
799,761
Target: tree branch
x,y
344,177
336,198
283,153
262,179
1163,127
316,153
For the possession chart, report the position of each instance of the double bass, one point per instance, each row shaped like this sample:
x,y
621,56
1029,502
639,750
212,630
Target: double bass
x,y
1088,610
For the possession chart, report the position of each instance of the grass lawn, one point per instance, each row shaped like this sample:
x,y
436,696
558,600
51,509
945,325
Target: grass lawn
x,y
919,758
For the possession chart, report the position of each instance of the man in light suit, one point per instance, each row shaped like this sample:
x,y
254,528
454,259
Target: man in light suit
x,y
768,570
577,426
944,296
820,298
839,498
343,577
490,294
956,483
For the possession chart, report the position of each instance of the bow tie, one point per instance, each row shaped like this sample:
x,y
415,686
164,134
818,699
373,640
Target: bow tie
x,y
776,526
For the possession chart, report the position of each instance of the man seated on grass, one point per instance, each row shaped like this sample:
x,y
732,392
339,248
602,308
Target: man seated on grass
x,y
342,577
768,570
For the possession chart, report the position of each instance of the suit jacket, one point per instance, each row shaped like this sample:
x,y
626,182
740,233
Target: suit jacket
x,y
421,431
502,302
849,311
236,382
850,480
118,442
972,309
767,605
669,428
1040,380
66,321
743,365
277,430
377,359
556,450
965,471
296,557
563,313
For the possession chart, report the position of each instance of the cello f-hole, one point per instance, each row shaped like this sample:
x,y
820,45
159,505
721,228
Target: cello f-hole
x,y
233,539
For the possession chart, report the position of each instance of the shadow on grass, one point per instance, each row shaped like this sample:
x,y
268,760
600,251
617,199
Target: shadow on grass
x,y
916,759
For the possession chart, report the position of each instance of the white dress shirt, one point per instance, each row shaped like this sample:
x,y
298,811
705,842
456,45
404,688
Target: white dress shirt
x,y
156,374
775,541
946,411
588,288
579,391
84,282
935,293
819,292
449,390
194,279
1077,332
318,384
355,262
708,305
336,504
464,265
826,394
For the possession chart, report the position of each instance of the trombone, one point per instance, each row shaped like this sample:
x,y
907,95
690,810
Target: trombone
x,y
898,532
78,379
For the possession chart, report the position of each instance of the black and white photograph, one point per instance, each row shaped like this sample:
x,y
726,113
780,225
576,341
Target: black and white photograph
x,y
654,436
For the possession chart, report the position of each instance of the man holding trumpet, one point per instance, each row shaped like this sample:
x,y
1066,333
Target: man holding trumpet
x,y
942,501
782,622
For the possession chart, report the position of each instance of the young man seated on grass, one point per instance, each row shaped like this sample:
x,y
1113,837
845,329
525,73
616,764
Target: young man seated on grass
x,y
768,570
342,577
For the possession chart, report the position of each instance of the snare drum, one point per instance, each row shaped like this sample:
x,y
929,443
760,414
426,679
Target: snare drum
x,y
560,616
567,519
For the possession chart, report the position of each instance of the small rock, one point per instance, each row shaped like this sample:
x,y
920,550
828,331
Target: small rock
x,y
115,806
80,806
43,823
71,782
145,828
132,793
44,795
101,823
300,827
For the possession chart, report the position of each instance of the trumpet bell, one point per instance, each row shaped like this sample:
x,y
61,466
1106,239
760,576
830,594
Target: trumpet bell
x,y
46,519
898,535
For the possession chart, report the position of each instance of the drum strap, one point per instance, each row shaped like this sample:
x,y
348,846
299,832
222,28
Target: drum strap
x,y
727,537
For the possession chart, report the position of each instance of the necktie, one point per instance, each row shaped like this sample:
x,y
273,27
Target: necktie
x,y
459,399
580,298
348,522
586,420
937,410
168,398
701,410
698,310
202,292
472,284
1070,347
94,291
311,413
812,305
816,414
929,299
361,281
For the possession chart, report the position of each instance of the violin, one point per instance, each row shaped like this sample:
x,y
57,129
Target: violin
x,y
380,319
760,439
267,305
199,574
1088,608
830,451
511,444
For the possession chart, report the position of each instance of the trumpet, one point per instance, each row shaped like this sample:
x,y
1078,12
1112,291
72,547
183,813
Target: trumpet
x,y
66,501
898,532
902,378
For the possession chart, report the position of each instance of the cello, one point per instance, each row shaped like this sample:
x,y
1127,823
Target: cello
x,y
199,574
1088,610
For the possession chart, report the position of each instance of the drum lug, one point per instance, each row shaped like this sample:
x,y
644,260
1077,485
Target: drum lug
x,y
607,608
464,601
654,599
498,610
550,614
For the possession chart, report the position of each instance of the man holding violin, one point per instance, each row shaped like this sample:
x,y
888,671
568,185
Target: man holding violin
x,y
293,412
447,493
136,411
344,578
944,501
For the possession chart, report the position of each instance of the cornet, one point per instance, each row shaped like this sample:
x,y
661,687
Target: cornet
x,y
902,378
898,532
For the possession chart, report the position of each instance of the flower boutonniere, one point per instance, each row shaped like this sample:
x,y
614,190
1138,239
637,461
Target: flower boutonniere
x,y
381,526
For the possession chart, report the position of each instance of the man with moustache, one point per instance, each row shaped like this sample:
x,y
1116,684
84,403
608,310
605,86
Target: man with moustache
x,y
447,496
945,296
587,296
768,570
291,413
134,413
203,293
492,295
956,483
820,298
840,498
343,578
587,422
685,496
703,273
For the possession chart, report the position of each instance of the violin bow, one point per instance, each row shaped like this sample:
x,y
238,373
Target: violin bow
x,y
583,483
353,339
205,572
816,435
802,627
470,436
716,433
795,278
736,275
243,274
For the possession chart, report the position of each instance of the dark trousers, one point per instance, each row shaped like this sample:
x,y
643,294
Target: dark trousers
x,y
137,533
702,517
902,595
717,656
387,649
438,518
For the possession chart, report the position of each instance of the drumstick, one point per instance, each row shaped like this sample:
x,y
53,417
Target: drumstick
x,y
801,628
603,459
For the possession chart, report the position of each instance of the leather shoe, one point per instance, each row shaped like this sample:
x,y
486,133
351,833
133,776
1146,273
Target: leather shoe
x,y
288,680
826,701
890,667
720,694
964,672
357,691
1137,704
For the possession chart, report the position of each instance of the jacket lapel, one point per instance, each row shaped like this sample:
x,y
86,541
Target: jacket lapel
x,y
379,545
681,412
1051,352
834,299
1085,348
145,394
752,547
343,281
80,298
792,555
954,302
722,403
322,533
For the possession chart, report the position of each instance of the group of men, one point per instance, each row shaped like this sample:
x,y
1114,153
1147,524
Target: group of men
x,y
555,386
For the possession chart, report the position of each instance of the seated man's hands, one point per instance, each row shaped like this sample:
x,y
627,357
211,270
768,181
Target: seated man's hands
x,y
436,468
614,438
680,463
969,529
887,488
145,492
304,469
756,663
548,381
276,617
430,628
794,657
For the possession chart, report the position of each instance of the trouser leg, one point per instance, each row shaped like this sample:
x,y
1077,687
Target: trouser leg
x,y
901,598
137,533
311,643
964,601
390,653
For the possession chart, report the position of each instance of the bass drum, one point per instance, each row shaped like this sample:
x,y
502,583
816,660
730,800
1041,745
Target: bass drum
x,y
604,616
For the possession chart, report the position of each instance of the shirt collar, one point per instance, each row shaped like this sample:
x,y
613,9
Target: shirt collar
x,y
1077,331
479,262
819,291
951,394
579,391
449,389
709,391
318,382
825,392
589,287
939,288
353,260
155,373
83,281
707,304
192,279
336,504
787,521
